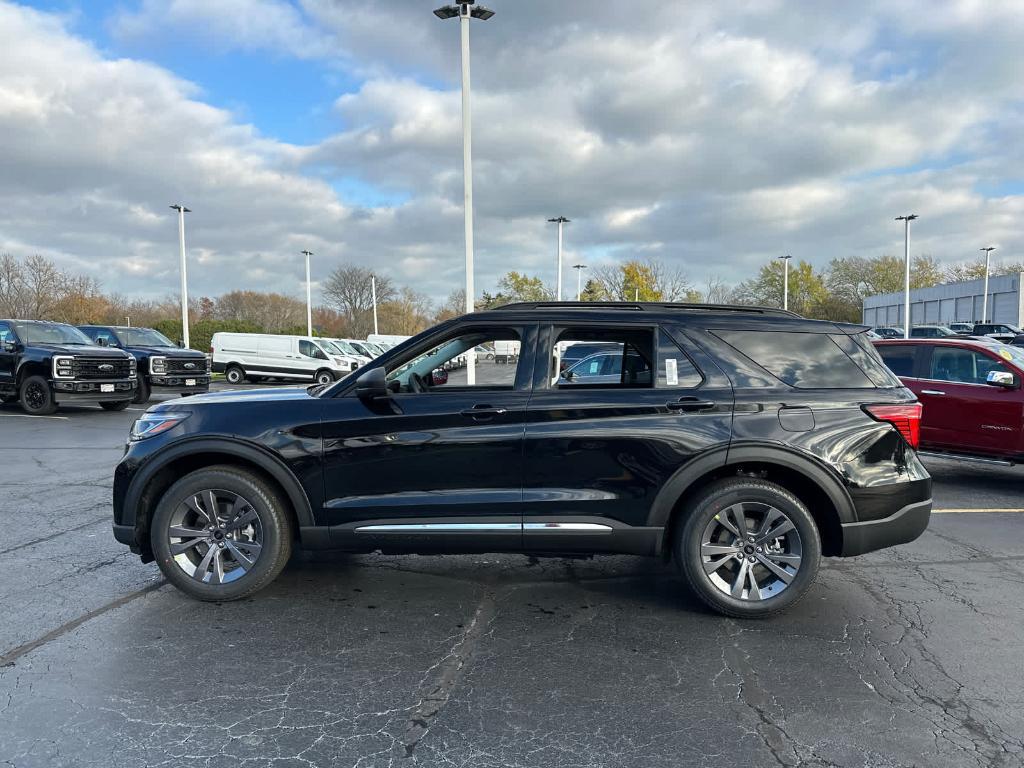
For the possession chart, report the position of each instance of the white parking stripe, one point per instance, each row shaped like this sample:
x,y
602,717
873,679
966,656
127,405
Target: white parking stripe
x,y
27,416
972,509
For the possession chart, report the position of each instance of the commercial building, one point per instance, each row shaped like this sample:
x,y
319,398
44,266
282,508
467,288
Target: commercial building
x,y
952,302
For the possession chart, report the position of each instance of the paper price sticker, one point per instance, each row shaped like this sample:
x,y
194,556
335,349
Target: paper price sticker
x,y
671,372
1005,354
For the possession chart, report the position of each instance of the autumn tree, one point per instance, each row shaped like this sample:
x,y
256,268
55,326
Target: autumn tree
x,y
406,314
975,270
349,289
637,280
514,287
806,287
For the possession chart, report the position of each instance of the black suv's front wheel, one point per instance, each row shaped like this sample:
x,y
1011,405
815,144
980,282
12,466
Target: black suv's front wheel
x,y
221,534
748,548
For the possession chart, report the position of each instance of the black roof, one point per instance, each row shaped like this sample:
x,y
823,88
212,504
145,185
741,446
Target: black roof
x,y
644,306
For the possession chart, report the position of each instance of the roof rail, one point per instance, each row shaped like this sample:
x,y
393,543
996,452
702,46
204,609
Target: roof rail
x,y
642,306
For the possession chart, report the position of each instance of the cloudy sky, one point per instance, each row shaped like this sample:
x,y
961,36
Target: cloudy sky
x,y
713,135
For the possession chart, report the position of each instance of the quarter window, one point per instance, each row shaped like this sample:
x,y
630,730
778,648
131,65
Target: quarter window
x,y
805,360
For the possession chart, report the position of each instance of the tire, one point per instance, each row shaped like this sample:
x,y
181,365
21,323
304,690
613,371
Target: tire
x,y
36,396
264,521
234,374
707,538
324,376
142,392
120,405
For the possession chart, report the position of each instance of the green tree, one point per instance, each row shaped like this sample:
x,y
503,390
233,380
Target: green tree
x,y
513,287
636,280
806,288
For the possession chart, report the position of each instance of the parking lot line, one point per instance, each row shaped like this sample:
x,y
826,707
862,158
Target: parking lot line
x,y
972,509
27,416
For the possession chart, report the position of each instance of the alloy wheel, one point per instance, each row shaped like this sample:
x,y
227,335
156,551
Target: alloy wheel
x,y
751,551
215,536
35,395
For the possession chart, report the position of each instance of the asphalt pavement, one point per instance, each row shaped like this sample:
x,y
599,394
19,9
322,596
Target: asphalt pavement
x,y
906,657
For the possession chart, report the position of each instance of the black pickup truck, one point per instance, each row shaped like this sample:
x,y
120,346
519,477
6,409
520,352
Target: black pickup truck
x,y
44,365
163,366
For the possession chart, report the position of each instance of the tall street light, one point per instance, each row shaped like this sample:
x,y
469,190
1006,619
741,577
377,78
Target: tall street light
x,y
984,299
464,10
309,297
906,271
182,210
559,220
373,296
785,280
579,280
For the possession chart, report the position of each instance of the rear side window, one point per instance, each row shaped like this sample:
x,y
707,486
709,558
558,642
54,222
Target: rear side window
x,y
899,358
805,360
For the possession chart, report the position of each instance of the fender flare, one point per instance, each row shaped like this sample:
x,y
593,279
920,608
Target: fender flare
x,y
813,468
231,446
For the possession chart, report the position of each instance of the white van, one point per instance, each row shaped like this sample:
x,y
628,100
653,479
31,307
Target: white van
x,y
349,351
255,356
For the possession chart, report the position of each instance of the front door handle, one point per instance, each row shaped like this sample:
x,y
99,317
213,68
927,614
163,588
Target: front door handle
x,y
932,392
690,404
483,412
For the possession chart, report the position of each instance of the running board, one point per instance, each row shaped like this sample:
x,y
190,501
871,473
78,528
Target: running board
x,y
960,457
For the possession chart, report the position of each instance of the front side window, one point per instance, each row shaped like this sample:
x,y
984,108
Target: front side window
x,y
963,366
309,349
444,366
6,334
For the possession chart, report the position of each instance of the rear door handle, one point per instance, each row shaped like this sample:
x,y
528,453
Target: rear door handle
x,y
690,404
932,392
483,412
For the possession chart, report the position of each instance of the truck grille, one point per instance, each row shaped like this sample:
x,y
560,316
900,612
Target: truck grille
x,y
95,368
178,365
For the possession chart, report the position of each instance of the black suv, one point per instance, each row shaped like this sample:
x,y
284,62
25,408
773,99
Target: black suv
x,y
44,365
164,367
749,443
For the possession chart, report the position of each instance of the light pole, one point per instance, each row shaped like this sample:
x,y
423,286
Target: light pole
x,y
984,299
309,297
785,280
182,210
579,280
373,295
559,220
906,271
465,10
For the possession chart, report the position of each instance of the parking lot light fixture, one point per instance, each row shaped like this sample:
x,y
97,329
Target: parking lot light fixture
x,y
309,296
906,271
182,210
466,10
373,295
559,220
984,296
579,280
785,280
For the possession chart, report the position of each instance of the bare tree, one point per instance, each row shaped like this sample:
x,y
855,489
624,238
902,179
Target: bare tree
x,y
649,280
348,290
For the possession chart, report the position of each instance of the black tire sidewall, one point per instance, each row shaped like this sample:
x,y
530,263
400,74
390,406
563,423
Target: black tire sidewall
x,y
232,370
722,495
323,372
273,517
142,391
48,407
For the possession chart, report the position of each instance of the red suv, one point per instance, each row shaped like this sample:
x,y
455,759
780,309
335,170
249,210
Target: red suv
x,y
971,392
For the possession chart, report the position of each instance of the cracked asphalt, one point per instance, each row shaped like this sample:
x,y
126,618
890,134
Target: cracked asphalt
x,y
908,657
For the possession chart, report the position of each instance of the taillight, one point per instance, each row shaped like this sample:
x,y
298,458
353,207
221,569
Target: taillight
x,y
905,418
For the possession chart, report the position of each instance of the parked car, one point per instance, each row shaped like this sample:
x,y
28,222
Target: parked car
x,y
163,367
44,365
965,329
931,332
889,333
609,367
255,356
999,331
759,442
971,392
573,353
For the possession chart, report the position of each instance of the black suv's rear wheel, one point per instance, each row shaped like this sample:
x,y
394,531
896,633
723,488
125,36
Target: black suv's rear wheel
x,y
748,548
221,534
36,396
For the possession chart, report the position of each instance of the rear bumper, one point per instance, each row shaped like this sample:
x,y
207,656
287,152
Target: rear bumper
x,y
904,525
89,391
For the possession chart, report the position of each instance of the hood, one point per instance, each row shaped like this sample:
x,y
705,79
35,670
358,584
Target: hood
x,y
236,396
176,353
86,350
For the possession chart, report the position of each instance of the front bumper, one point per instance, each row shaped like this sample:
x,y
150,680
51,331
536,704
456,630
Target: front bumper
x,y
175,384
903,526
76,391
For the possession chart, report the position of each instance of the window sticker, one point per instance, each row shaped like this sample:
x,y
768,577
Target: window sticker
x,y
671,372
1005,354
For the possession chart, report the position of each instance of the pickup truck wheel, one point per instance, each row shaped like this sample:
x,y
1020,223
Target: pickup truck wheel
x,y
120,405
221,534
748,548
324,376
36,396
234,374
142,392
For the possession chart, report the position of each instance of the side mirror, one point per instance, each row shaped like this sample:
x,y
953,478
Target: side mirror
x,y
10,346
372,384
101,342
1000,379
438,377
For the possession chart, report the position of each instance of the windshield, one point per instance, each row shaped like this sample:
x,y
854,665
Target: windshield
x,y
142,337
1009,352
345,347
376,349
50,333
330,346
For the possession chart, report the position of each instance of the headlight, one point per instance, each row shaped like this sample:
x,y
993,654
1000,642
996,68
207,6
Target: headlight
x,y
209,364
155,423
133,367
158,365
63,367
